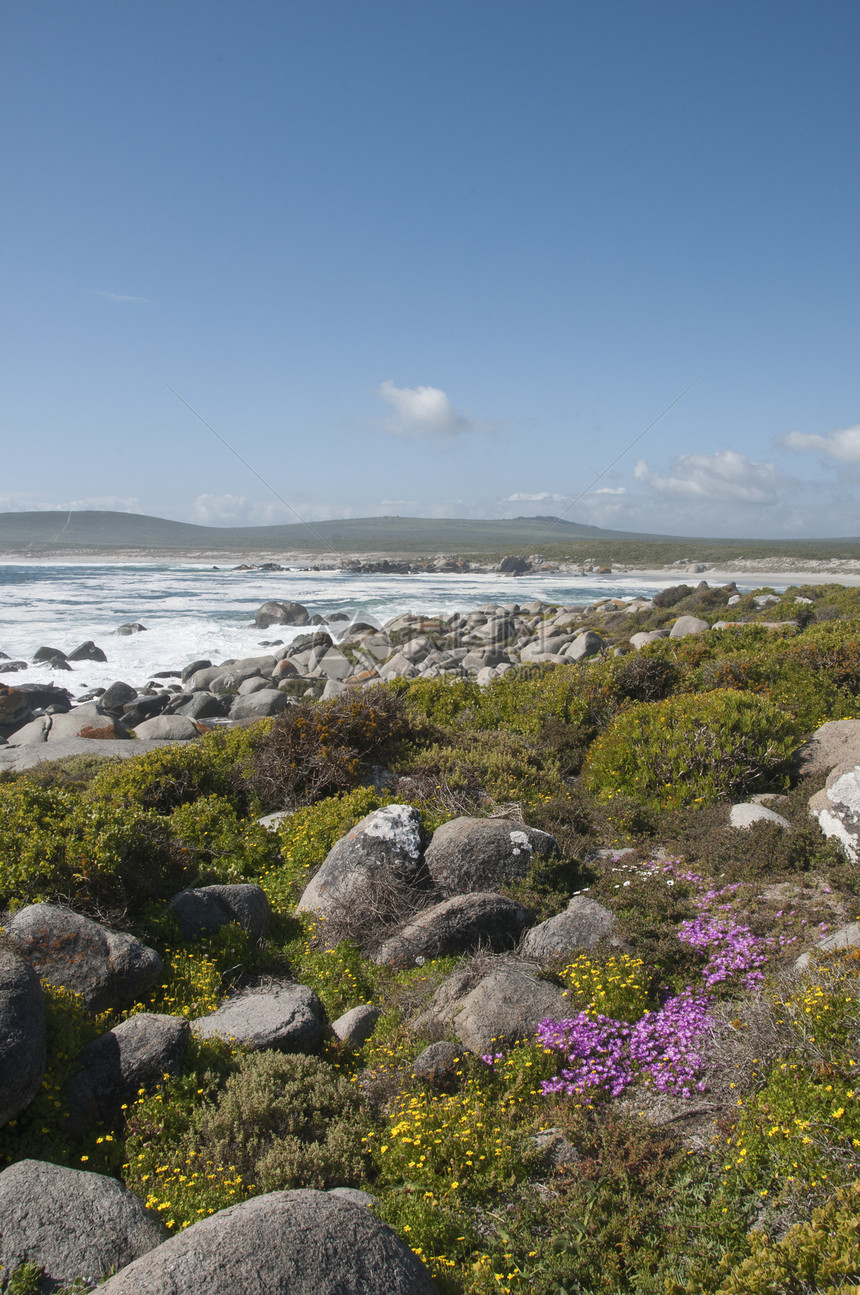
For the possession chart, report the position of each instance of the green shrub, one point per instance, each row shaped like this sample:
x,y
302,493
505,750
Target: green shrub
x,y
692,749
57,844
501,766
176,775
287,1121
821,1257
218,846
234,1126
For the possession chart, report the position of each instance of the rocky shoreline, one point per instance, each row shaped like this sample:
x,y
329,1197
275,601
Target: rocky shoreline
x,y
330,657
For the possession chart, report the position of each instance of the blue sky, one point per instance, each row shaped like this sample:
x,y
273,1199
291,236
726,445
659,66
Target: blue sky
x,y
434,257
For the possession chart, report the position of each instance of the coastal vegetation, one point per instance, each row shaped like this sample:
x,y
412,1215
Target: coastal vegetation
x,y
691,1126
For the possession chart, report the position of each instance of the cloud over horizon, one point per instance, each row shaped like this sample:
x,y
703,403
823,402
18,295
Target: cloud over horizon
x,y
426,412
726,475
841,445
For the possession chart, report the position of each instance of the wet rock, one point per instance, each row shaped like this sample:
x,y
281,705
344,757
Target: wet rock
x,y
87,652
275,613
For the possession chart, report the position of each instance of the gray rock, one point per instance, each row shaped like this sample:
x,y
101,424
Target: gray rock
x,y
287,1017
835,743
479,854
847,937
208,908
386,841
269,701
202,705
440,1064
457,925
201,680
36,731
119,694
107,968
87,652
647,636
685,625
255,684
354,1194
582,925
285,1243
275,613
88,720
28,757
841,816
130,627
585,645
168,728
271,822
334,665
114,1067
744,815
22,1036
484,1006
355,1027
70,1223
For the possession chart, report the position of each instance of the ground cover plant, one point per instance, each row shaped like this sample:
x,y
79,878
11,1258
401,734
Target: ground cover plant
x,y
690,1122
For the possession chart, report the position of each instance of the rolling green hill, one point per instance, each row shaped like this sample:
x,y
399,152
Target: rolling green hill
x,y
42,533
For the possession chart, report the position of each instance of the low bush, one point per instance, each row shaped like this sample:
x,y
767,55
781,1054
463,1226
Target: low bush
x,y
314,750
178,774
235,1126
693,749
821,1257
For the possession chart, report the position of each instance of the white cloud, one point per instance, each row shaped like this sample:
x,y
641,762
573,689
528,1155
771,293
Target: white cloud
x,y
19,503
239,510
121,297
842,445
540,497
427,412
726,476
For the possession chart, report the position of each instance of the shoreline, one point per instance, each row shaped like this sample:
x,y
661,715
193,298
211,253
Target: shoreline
x,y
768,571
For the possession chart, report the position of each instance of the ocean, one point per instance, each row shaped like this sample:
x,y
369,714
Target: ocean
x,y
193,611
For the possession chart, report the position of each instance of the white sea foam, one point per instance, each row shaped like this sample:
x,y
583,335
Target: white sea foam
x,y
191,611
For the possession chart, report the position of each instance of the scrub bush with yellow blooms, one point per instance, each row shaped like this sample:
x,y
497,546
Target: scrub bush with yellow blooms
x,y
251,1123
798,1135
694,748
618,986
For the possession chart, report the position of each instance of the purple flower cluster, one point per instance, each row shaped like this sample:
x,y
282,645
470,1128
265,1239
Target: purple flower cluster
x,y
605,1054
664,1048
733,948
